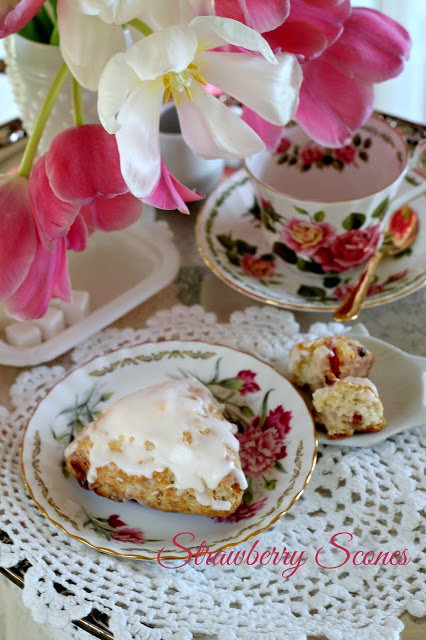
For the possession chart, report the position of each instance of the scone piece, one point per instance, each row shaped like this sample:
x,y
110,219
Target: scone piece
x,y
347,406
316,363
167,446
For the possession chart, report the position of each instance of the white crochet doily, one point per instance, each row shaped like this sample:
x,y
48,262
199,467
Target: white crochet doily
x,y
375,494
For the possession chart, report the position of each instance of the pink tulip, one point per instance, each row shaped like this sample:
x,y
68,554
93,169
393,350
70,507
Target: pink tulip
x,y
337,93
261,15
29,273
171,194
15,14
343,51
80,174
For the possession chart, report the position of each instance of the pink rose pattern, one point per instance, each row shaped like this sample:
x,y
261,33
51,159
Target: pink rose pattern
x,y
259,268
244,512
304,236
314,155
112,528
249,384
261,445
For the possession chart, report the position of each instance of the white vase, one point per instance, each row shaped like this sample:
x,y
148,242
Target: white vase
x,y
31,68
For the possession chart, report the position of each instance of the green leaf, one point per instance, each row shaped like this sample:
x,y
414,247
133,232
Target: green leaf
x,y
311,292
353,221
247,411
243,247
412,181
284,252
107,396
331,281
248,496
65,471
337,164
268,256
79,425
269,484
232,383
367,143
264,410
216,371
279,466
309,266
233,258
319,216
380,211
364,156
302,211
402,254
356,139
283,158
226,241
292,161
328,159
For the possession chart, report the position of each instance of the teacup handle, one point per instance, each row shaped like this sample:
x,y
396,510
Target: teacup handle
x,y
420,188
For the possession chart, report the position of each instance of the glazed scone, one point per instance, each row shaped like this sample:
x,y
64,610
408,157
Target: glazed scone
x,y
316,363
348,406
167,446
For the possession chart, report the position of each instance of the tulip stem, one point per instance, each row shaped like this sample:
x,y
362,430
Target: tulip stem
x,y
43,116
77,103
140,26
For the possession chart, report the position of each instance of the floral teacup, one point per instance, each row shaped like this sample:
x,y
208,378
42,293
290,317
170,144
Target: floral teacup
x,y
324,210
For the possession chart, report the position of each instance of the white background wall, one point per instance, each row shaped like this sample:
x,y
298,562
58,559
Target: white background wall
x,y
405,95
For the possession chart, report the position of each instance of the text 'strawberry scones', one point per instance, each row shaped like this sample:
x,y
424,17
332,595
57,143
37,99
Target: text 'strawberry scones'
x,y
347,406
167,446
316,363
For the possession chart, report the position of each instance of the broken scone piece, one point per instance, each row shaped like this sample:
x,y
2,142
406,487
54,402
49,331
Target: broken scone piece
x,y
348,406
316,363
168,446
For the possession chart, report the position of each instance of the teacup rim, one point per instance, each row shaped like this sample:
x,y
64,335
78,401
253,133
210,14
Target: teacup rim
x,y
374,116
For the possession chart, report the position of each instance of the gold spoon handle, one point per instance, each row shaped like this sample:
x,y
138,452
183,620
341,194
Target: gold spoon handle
x,y
351,305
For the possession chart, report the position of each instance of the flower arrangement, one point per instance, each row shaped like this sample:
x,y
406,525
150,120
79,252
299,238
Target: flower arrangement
x,y
314,61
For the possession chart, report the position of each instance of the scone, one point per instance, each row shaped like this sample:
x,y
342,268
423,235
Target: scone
x,y
167,446
347,406
316,363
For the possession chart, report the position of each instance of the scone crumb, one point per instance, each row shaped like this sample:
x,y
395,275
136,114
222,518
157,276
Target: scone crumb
x,y
149,446
114,445
187,437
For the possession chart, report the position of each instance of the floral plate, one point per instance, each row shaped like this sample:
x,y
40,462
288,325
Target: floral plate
x,y
231,240
277,448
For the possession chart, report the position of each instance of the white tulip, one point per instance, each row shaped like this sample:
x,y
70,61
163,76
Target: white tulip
x,y
177,61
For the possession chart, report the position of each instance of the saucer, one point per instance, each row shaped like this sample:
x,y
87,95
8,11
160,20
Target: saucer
x,y
232,244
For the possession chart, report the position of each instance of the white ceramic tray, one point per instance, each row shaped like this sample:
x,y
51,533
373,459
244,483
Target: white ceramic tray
x,y
119,270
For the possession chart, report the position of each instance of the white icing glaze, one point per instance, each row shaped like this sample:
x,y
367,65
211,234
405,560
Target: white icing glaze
x,y
167,415
364,382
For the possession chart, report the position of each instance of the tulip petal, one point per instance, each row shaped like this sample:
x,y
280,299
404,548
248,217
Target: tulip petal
x,y
47,276
261,15
18,237
270,90
213,32
167,13
331,104
271,134
171,49
112,214
83,162
87,43
214,131
138,138
117,12
115,84
78,235
310,27
14,18
172,194
52,216
372,48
